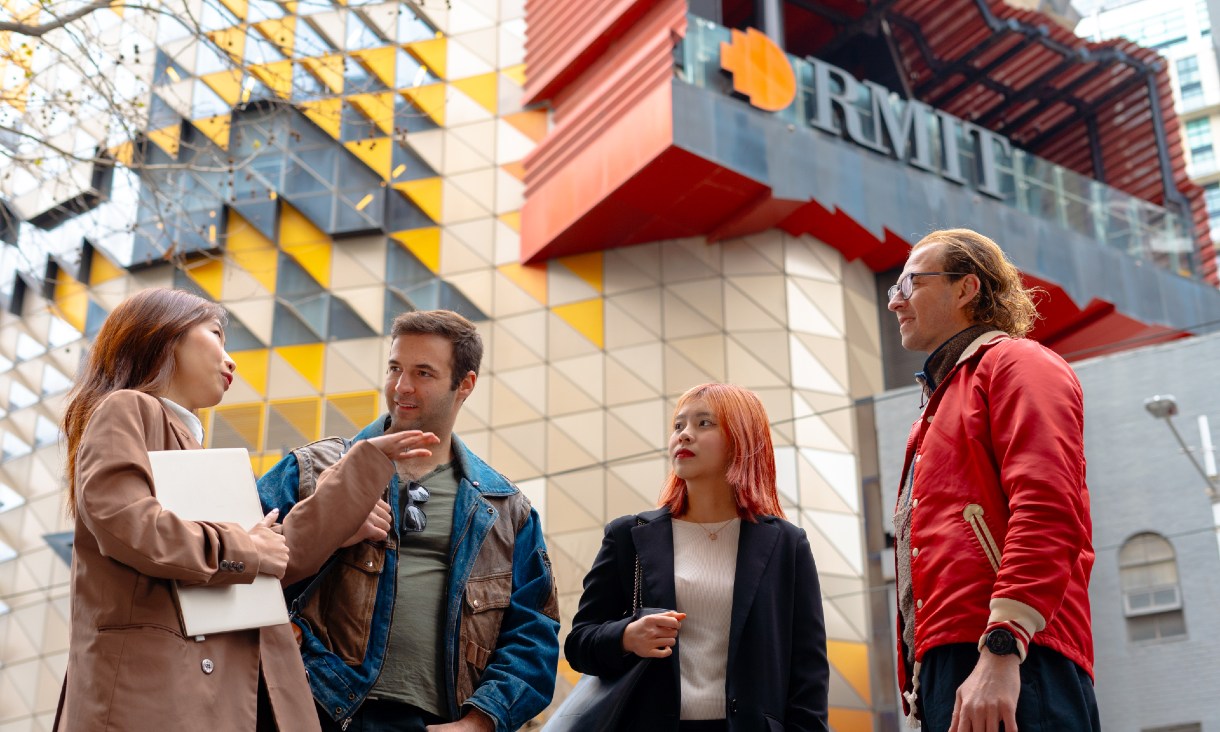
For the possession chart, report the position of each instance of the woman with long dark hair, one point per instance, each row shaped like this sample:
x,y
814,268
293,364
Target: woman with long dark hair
x,y
156,361
744,644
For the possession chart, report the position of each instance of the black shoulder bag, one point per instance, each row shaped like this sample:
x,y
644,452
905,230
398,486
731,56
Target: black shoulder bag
x,y
596,704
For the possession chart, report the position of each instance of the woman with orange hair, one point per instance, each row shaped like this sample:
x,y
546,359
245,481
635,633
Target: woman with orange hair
x,y
742,646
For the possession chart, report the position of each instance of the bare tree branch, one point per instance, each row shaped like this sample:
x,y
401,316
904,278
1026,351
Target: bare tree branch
x,y
38,31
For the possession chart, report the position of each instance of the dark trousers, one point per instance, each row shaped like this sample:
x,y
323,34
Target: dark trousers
x,y
1056,694
383,715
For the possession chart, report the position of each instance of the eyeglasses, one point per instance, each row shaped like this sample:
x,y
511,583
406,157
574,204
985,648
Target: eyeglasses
x,y
906,283
414,520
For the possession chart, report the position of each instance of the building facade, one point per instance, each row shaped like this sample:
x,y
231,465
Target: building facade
x,y
1181,31
619,197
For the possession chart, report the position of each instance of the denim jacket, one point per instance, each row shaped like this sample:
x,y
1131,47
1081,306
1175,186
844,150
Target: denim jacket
x,y
502,624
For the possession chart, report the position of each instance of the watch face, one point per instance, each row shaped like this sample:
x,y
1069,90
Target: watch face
x,y
1001,642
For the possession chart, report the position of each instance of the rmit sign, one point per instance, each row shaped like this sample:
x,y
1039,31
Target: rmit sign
x,y
865,113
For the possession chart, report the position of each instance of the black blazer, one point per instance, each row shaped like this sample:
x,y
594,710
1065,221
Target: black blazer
x,y
777,673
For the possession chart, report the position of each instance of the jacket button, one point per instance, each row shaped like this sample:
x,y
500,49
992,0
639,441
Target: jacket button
x,y
732,706
338,710
224,564
207,666
475,603
919,604
239,566
915,552
914,502
351,697
491,510
475,484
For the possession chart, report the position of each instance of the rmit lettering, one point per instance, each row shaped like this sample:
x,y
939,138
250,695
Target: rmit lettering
x,y
905,134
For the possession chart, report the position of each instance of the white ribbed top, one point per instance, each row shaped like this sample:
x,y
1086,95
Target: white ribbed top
x,y
704,572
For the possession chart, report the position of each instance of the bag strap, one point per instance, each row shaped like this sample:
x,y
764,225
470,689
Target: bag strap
x,y
636,598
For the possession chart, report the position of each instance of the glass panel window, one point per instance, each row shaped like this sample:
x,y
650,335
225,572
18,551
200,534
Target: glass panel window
x,y
1199,139
1190,85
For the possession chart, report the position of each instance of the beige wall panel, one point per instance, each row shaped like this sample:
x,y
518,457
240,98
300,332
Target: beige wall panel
x,y
565,397
681,319
632,268
753,293
478,235
510,408
705,351
808,257
565,342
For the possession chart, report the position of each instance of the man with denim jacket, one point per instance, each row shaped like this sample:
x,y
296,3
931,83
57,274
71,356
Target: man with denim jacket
x,y
994,538
440,611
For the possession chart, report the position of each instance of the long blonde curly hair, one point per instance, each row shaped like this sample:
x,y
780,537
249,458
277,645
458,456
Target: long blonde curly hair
x,y
1003,301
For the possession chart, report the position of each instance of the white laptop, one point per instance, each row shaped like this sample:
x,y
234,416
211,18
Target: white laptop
x,y
217,485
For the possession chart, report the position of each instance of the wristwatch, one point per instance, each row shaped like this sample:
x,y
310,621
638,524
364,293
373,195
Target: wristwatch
x,y
1000,642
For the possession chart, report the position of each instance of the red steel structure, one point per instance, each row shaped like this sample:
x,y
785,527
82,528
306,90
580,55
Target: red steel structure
x,y
608,174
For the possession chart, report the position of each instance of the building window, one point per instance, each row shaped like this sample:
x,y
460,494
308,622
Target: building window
x,y
1152,599
1211,195
1199,139
1190,85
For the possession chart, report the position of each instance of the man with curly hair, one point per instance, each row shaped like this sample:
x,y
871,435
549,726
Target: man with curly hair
x,y
994,538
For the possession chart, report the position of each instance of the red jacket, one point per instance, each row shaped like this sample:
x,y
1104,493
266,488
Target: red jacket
x,y
1000,524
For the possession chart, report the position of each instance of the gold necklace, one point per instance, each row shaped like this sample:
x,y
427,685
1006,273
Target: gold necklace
x,y
714,535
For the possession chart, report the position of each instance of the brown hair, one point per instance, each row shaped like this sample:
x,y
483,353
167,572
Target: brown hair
x,y
467,344
1003,301
751,471
133,350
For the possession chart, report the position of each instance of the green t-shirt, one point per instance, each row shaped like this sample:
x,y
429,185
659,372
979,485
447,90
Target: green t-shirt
x,y
415,657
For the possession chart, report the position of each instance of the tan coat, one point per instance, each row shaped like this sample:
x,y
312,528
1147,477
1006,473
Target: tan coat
x,y
129,665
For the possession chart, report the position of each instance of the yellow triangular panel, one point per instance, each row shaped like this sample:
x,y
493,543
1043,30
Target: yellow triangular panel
x,y
208,274
307,360
588,267
247,420
263,463
306,243
531,123
484,89
277,77
425,244
587,317
850,720
328,70
226,84
251,251
851,660
516,74
512,220
280,31
239,7
430,99
167,138
380,63
379,108
122,153
232,41
425,193
359,407
102,269
253,366
377,153
531,278
305,415
325,113
72,300
431,53
216,128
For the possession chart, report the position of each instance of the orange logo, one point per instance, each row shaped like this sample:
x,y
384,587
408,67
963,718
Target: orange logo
x,y
760,70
